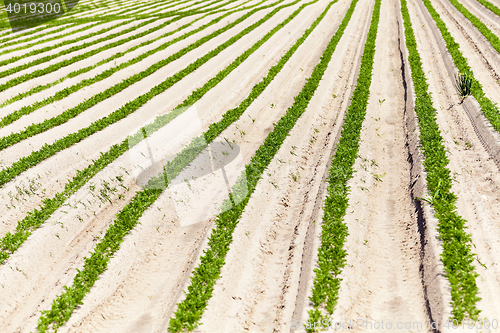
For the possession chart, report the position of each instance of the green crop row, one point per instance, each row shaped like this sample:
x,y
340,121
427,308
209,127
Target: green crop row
x,y
8,119
40,72
4,42
457,254
190,310
64,305
331,253
115,56
47,150
72,49
490,36
490,6
17,40
126,109
36,218
488,107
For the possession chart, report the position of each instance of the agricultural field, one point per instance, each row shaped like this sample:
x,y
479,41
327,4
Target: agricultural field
x,y
250,166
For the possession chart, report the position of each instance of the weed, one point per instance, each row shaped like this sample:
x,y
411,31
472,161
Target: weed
x,y
463,83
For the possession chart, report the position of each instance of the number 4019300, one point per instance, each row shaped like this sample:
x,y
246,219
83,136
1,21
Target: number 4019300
x,y
33,8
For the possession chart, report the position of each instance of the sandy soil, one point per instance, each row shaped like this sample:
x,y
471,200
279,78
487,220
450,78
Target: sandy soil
x,y
79,155
267,279
113,306
475,174
260,280
381,279
79,237
482,58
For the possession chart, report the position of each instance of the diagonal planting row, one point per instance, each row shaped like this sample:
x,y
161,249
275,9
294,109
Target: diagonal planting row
x,y
65,92
46,151
145,198
250,99
34,219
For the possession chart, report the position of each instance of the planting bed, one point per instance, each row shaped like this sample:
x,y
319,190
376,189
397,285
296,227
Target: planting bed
x,y
358,189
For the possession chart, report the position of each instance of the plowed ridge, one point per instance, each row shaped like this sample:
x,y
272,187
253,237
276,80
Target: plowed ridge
x,y
121,64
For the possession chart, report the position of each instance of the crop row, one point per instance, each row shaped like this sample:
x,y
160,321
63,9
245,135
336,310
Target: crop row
x,y
331,253
17,40
130,214
457,254
36,218
190,310
485,31
490,6
48,150
64,93
488,107
67,62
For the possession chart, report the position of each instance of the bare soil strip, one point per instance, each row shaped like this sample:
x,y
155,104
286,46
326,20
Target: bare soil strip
x,y
476,176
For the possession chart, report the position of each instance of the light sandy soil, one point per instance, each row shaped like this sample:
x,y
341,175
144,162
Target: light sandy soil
x,y
113,103
23,41
481,56
80,155
76,98
476,178
78,238
114,303
260,281
381,280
